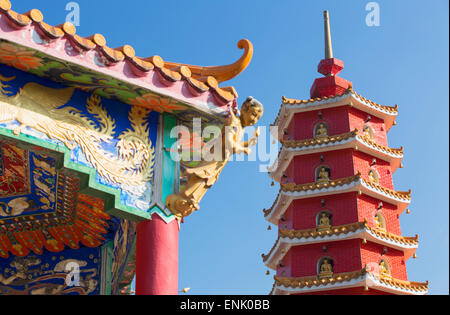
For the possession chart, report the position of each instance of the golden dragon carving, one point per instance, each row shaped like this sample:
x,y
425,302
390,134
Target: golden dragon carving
x,y
40,108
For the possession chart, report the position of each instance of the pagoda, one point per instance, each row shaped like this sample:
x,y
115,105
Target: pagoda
x,y
337,211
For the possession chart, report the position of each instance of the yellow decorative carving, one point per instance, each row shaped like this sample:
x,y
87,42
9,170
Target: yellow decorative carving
x,y
221,73
203,177
39,108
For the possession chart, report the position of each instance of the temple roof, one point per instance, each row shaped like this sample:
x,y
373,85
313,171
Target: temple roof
x,y
353,139
358,278
291,191
349,97
28,32
288,238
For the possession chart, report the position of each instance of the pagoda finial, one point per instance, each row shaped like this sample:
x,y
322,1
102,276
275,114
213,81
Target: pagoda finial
x,y
330,67
328,45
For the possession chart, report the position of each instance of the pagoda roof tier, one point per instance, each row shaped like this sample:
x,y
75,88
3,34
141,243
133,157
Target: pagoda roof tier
x,y
354,139
289,107
359,230
291,191
31,45
359,278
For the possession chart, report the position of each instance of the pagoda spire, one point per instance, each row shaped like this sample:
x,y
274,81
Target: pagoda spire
x,y
330,67
328,44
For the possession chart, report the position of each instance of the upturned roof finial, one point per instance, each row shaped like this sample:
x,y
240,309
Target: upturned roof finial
x,y
328,45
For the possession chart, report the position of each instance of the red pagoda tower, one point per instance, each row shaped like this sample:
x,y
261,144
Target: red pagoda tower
x,y
337,211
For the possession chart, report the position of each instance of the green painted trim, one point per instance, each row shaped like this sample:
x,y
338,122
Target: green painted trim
x,y
107,258
169,180
88,184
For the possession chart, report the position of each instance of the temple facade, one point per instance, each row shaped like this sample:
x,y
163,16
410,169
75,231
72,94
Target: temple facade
x,y
86,158
337,211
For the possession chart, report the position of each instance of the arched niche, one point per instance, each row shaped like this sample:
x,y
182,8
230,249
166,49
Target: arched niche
x,y
323,173
324,220
368,131
380,221
384,267
325,267
374,177
321,130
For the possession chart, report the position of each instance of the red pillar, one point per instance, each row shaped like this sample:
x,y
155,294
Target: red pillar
x,y
157,257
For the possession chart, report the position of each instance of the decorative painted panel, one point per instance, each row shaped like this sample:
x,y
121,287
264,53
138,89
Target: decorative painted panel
x,y
123,256
115,143
46,274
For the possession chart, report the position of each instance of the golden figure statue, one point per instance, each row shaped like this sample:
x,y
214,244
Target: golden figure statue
x,y
323,175
324,222
322,131
203,177
326,269
373,177
367,132
384,271
378,222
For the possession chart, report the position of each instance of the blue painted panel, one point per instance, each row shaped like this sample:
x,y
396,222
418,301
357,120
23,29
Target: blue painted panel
x,y
115,148
53,273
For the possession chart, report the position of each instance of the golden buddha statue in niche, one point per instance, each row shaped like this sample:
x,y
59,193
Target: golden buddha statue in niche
x,y
384,270
321,131
367,132
326,269
324,222
378,222
323,176
373,177
206,173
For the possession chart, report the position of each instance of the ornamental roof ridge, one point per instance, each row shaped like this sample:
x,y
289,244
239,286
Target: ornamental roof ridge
x,y
291,148
292,187
201,79
265,257
314,141
294,144
346,228
289,188
398,238
371,142
334,230
338,230
401,284
301,282
268,211
405,195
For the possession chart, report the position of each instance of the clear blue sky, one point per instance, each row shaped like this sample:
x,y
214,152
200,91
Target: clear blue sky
x,y
404,61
